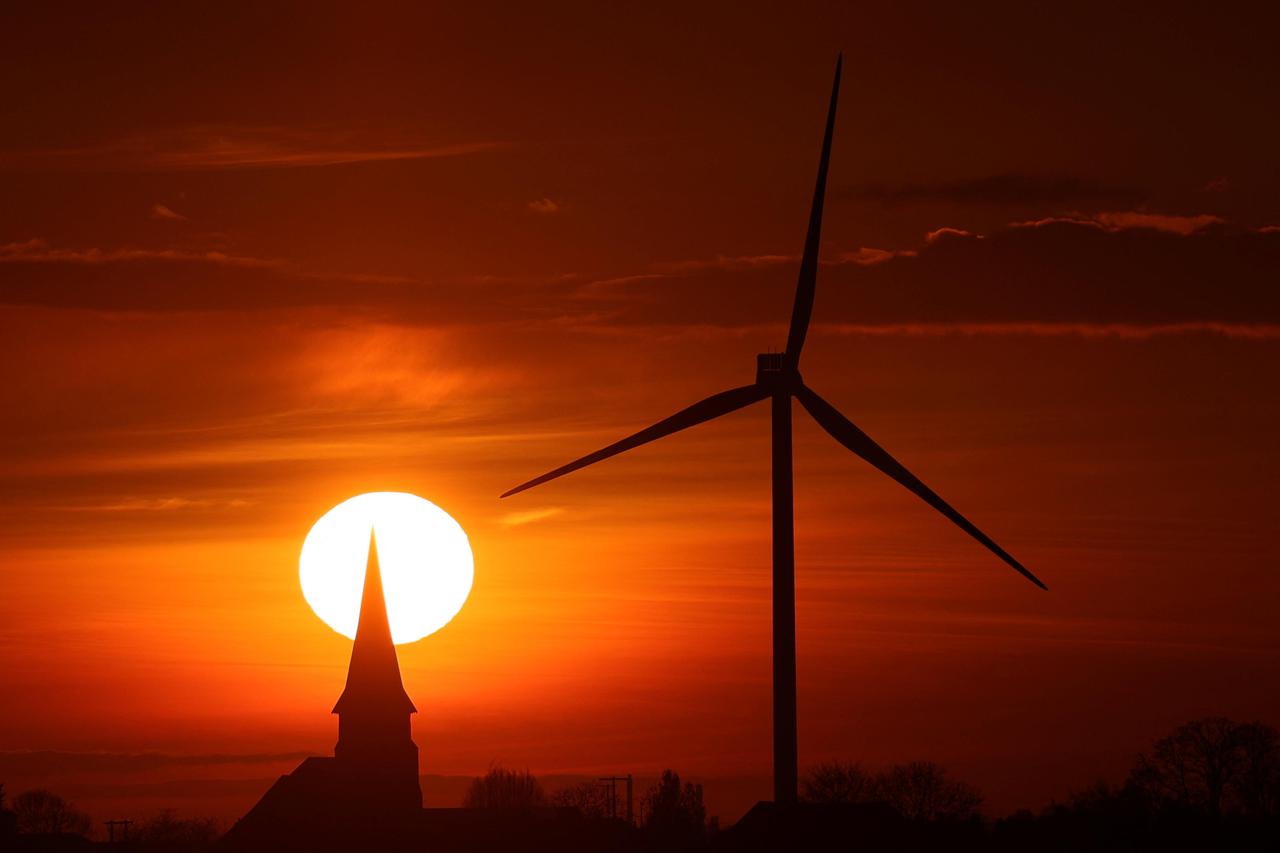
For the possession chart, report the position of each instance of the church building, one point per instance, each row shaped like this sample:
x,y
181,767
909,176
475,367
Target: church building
x,y
371,781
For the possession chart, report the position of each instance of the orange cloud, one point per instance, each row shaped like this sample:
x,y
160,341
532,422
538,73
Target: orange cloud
x,y
1129,220
946,231
516,519
544,205
1121,331
161,211
867,256
38,251
236,147
726,262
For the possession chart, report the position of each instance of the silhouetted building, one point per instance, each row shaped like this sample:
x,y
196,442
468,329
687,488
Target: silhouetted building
x,y
375,748
371,782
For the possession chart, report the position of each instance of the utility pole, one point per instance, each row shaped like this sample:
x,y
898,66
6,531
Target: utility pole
x,y
611,798
111,830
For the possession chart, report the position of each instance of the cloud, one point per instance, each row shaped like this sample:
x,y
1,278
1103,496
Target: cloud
x,y
36,763
32,272
235,147
728,262
1107,269
1118,331
867,256
160,211
161,505
544,206
1012,189
37,251
1130,219
946,231
518,519
1113,267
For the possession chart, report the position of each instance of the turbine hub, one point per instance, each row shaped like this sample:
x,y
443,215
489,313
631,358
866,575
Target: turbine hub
x,y
773,370
768,366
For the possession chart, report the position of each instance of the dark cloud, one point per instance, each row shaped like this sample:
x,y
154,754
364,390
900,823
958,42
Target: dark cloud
x,y
1010,189
1059,271
1111,268
201,148
36,763
32,273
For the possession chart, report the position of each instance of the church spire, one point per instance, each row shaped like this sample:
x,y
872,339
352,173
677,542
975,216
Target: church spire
x,y
373,679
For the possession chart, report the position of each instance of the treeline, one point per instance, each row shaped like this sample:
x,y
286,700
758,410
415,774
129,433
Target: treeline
x,y
38,815
668,810
1211,784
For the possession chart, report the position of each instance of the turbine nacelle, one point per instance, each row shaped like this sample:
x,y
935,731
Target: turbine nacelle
x,y
774,371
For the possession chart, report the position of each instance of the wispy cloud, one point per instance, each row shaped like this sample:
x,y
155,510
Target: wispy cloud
x,y
38,251
867,256
1172,273
1120,331
226,147
517,519
728,262
1006,189
162,211
946,231
39,762
1131,220
161,505
544,206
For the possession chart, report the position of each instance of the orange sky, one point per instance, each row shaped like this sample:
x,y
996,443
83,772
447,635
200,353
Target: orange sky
x,y
253,263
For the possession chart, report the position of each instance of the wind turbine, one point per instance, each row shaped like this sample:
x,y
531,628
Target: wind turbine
x,y
778,379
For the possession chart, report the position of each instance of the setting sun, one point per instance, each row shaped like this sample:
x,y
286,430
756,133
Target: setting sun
x,y
424,554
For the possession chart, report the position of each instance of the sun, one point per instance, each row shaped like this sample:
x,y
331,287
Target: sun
x,y
426,561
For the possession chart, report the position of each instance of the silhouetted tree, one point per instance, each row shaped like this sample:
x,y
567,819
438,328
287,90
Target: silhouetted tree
x,y
167,833
838,782
590,798
1214,766
921,790
8,820
1258,785
44,812
674,814
501,788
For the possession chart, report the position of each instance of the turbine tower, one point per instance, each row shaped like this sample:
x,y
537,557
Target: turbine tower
x,y
778,379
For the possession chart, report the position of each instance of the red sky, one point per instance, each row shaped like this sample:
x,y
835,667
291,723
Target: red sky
x,y
255,262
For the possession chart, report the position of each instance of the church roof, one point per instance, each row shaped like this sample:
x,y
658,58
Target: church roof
x,y
373,678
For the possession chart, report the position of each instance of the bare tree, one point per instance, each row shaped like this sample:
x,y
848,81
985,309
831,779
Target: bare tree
x,y
166,831
674,813
501,788
44,812
838,782
922,790
1213,765
1258,785
590,798
8,820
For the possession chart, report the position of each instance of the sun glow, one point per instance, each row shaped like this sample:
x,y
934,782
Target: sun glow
x,y
426,561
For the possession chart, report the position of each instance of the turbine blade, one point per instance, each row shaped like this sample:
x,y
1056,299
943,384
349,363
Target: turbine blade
x,y
843,431
712,407
807,283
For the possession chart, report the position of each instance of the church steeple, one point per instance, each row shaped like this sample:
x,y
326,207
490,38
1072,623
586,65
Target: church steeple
x,y
375,752
373,679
